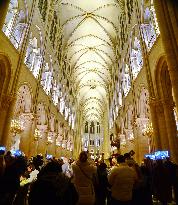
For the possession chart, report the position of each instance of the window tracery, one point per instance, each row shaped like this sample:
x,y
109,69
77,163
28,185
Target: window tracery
x,y
126,80
136,57
150,27
33,58
47,77
14,26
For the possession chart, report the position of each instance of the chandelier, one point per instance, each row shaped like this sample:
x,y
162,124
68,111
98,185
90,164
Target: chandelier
x,y
17,126
148,130
49,139
37,134
58,143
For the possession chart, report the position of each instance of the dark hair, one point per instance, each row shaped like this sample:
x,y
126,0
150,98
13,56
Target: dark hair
x,y
83,156
120,159
53,166
102,165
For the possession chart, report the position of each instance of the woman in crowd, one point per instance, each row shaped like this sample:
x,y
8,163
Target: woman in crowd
x,y
83,177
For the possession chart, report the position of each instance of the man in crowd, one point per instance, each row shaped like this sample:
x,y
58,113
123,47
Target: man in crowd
x,y
124,177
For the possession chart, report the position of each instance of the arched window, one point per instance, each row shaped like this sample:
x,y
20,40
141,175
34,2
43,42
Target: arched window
x,y
150,27
73,120
47,77
62,105
55,92
136,57
126,80
33,58
15,24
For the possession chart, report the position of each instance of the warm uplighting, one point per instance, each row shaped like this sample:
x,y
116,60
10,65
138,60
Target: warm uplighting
x,y
17,126
58,143
131,137
49,141
123,143
49,138
37,134
148,130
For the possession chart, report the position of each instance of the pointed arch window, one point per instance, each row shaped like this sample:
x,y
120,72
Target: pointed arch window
x,y
136,58
33,58
14,26
150,27
126,80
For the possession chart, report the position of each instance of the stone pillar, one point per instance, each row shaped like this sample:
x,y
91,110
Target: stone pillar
x,y
162,130
142,141
171,129
33,142
26,134
167,15
106,142
154,108
4,123
42,146
4,5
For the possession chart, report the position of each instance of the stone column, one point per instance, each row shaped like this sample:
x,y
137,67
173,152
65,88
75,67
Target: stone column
x,y
167,15
141,140
26,134
42,147
154,109
5,123
4,5
34,142
162,130
171,129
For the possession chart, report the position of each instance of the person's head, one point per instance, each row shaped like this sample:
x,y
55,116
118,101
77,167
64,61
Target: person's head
x,y
30,167
8,153
120,159
102,166
83,156
53,166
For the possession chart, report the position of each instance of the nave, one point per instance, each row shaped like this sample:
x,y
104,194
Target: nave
x,y
94,76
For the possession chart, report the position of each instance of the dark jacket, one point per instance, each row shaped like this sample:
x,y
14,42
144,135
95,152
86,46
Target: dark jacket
x,y
53,189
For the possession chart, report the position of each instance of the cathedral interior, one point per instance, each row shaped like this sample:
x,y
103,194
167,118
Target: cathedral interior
x,y
89,75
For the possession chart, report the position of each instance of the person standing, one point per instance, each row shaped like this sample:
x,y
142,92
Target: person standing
x,y
83,175
121,179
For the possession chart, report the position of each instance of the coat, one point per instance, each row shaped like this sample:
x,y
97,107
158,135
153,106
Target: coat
x,y
83,182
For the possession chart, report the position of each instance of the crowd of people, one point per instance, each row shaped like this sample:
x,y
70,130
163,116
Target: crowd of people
x,y
84,181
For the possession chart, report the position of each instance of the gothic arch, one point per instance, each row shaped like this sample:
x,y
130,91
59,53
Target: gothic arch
x,y
166,118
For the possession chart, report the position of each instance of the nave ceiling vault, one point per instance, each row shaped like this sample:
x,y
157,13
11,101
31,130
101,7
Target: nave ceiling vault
x,y
90,32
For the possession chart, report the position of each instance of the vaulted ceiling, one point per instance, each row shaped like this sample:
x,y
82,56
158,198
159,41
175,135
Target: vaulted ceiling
x,y
90,33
